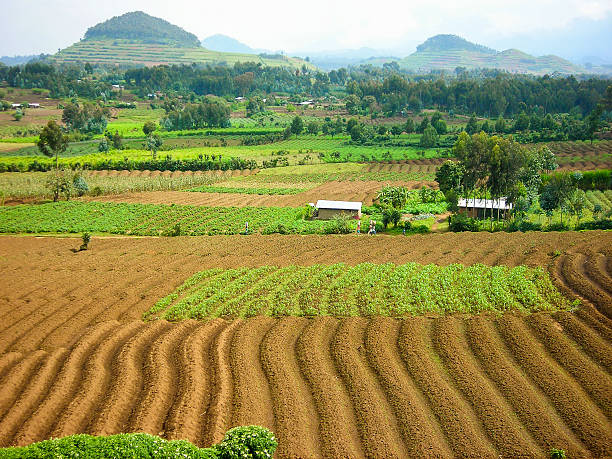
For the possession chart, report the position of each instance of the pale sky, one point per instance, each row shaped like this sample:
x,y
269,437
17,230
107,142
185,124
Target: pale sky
x,y
35,26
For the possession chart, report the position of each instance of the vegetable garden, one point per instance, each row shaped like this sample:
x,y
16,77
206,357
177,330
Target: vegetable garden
x,y
363,290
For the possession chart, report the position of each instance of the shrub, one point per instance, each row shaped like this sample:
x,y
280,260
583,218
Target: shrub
x,y
80,185
460,222
557,227
86,237
557,453
248,442
339,224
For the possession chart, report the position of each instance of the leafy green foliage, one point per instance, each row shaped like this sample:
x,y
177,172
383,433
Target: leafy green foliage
x,y
248,442
151,219
365,289
121,445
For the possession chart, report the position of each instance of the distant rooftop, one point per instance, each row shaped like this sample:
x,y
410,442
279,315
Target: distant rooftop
x,y
338,205
485,204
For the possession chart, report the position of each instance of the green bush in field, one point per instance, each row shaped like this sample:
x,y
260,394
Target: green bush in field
x,y
135,445
248,442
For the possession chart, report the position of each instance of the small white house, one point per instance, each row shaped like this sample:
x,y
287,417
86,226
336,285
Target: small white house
x,y
15,106
328,209
482,208
33,105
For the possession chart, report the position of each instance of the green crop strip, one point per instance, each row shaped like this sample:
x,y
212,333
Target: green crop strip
x,y
363,290
153,220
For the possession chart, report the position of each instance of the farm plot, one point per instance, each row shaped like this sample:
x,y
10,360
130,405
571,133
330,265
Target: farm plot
x,y
580,155
152,220
363,290
398,386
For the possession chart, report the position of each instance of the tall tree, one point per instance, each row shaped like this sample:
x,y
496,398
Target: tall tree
x,y
52,141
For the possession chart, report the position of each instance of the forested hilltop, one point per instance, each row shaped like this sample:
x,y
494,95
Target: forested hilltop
x,y
140,26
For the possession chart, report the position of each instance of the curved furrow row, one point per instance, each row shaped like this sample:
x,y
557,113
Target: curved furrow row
x,y
380,433
188,414
37,387
252,403
595,269
596,321
531,406
126,381
498,418
418,425
95,383
590,342
462,429
7,360
219,412
337,423
17,378
160,381
64,387
578,411
57,325
572,270
593,379
297,424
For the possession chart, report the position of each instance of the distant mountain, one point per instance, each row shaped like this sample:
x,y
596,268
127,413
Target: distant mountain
x,y
137,39
142,27
447,52
442,43
18,60
226,44
330,60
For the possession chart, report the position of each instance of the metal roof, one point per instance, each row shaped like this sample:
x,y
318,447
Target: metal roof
x,y
338,205
485,204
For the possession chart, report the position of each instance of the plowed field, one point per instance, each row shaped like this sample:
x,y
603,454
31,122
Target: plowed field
x,y
341,191
75,356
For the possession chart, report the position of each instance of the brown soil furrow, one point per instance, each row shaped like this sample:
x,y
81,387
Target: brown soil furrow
x,y
595,320
579,413
498,418
378,427
126,379
7,360
595,269
96,381
39,425
17,379
539,417
252,402
572,270
596,382
337,422
422,434
160,380
297,423
459,423
34,393
219,411
188,415
589,340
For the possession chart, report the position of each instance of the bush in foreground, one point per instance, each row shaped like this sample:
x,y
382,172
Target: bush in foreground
x,y
244,442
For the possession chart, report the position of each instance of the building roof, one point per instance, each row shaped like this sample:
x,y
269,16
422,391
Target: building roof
x,y
485,204
338,205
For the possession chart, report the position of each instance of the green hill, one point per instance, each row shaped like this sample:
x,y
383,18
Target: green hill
x,y
446,52
137,39
140,26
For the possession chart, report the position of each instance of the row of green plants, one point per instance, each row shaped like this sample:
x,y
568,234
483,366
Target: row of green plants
x,y
352,176
239,442
37,184
154,220
247,190
363,290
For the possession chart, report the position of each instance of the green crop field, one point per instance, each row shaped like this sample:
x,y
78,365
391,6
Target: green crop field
x,y
152,220
247,190
362,290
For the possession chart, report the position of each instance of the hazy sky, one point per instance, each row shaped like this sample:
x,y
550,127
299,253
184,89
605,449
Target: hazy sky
x,y
35,26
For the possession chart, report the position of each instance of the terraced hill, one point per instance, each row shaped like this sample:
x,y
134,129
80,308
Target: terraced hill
x,y
136,39
449,52
132,53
